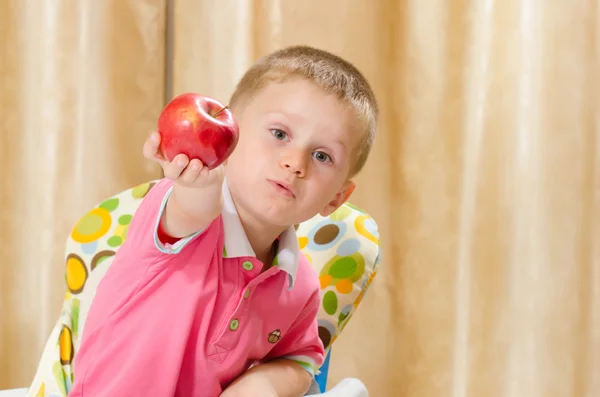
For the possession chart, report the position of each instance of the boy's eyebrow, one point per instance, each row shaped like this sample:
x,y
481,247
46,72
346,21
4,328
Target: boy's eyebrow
x,y
341,144
286,115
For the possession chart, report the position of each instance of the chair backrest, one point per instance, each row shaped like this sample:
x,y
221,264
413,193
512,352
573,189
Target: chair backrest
x,y
344,249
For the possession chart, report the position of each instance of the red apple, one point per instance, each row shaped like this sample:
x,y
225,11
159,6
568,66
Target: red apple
x,y
199,127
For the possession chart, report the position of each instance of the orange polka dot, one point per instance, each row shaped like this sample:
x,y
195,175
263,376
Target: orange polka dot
x,y
344,286
76,273
66,346
325,280
302,242
359,299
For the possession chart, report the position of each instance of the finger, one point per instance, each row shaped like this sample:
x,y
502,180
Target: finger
x,y
151,148
174,168
204,172
191,172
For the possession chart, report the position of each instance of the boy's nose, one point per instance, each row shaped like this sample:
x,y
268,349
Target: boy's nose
x,y
295,163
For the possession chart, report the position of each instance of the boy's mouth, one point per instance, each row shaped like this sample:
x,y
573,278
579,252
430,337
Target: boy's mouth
x,y
283,188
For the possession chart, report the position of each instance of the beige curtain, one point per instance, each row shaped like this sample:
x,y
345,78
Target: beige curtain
x,y
485,178
81,84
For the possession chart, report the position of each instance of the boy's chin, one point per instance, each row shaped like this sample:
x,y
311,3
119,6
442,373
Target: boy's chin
x,y
285,219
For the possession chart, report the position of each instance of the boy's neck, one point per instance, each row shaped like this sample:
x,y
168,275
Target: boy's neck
x,y
263,241
262,237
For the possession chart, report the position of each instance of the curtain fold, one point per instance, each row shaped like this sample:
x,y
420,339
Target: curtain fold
x,y
81,85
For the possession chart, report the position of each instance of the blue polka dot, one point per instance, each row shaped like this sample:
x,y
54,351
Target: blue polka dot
x,y
347,309
89,248
327,325
344,314
371,227
348,247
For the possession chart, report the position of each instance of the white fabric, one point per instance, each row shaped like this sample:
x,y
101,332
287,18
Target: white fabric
x,y
349,387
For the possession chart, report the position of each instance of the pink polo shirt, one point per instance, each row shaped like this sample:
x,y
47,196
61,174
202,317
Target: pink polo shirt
x,y
187,319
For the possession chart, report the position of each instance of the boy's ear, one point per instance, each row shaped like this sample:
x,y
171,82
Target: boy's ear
x,y
340,198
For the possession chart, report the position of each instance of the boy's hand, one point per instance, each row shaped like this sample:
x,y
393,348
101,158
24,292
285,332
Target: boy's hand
x,y
196,198
279,378
253,386
181,170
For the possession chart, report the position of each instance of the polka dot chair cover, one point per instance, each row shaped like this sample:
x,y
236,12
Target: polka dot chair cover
x,y
343,248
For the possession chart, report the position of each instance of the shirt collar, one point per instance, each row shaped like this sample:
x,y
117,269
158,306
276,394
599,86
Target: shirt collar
x,y
237,244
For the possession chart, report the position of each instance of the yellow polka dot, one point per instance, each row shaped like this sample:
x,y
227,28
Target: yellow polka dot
x,y
76,274
344,286
359,224
362,293
67,295
66,346
302,242
325,280
92,226
41,391
309,258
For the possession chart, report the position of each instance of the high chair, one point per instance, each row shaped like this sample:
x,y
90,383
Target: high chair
x,y
343,247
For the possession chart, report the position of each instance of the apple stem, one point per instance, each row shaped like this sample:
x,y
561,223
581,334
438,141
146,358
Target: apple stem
x,y
220,110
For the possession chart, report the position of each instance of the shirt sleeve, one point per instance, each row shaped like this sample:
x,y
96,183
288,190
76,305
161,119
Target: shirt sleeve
x,y
302,344
145,243
163,242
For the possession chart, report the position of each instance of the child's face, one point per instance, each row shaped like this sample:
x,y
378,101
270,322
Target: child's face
x,y
294,154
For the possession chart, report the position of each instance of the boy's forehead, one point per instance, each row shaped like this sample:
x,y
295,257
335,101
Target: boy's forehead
x,y
302,101
300,97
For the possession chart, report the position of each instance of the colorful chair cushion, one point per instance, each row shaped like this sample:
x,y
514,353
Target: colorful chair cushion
x,y
343,248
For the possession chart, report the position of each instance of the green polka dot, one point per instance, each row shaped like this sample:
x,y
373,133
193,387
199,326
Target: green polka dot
x,y
224,252
101,257
59,374
330,302
341,213
89,224
343,267
110,204
115,241
75,317
342,317
140,191
276,261
354,208
125,220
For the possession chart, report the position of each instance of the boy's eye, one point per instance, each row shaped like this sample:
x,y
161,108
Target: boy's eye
x,y
279,134
322,157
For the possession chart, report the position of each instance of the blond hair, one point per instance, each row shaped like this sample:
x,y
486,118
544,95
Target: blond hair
x,y
330,72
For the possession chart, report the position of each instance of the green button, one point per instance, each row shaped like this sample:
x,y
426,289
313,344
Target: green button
x,y
247,265
247,293
234,324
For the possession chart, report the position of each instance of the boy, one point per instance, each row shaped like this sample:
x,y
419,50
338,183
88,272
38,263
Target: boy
x,y
210,280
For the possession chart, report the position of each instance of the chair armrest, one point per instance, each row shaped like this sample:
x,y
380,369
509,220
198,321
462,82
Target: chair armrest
x,y
13,393
348,387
